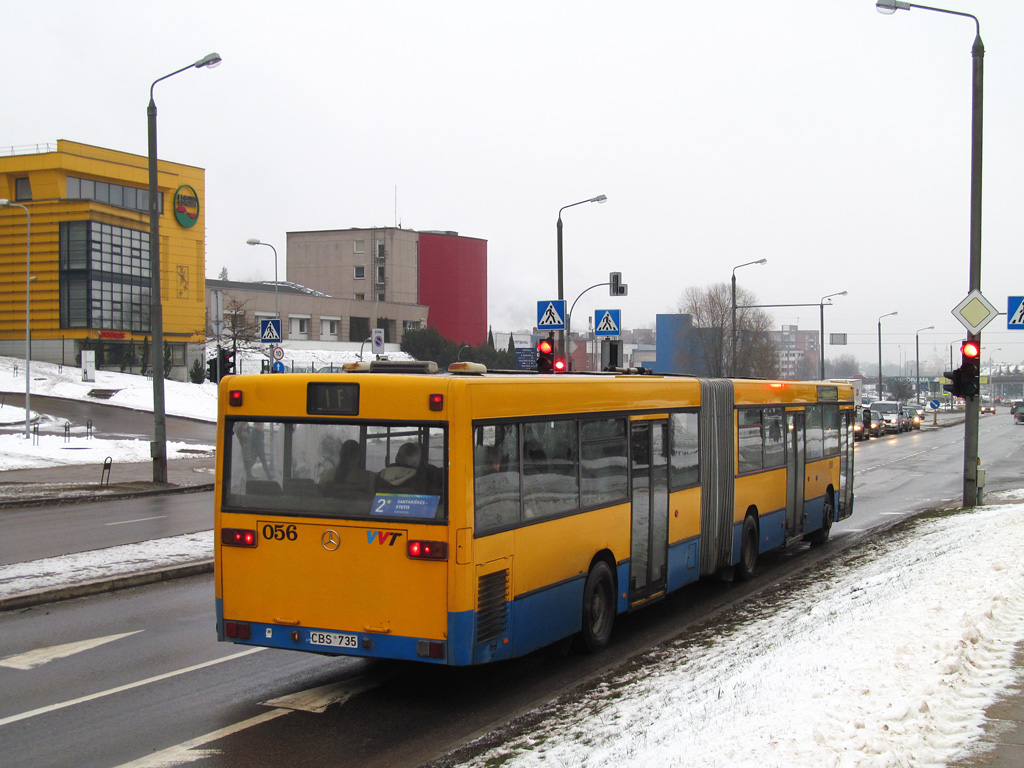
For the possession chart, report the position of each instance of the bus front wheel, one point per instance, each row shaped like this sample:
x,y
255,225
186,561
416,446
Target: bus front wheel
x,y
598,607
748,550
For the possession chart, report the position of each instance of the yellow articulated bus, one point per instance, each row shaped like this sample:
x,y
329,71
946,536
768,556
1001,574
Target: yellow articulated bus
x,y
464,517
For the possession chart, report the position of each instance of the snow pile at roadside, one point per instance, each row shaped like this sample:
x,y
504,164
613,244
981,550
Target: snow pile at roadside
x,y
109,563
889,657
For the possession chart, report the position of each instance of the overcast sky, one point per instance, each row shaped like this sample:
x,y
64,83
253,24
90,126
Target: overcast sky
x,y
823,136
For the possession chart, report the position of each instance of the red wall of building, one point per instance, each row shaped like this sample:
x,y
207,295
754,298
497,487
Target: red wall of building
x,y
453,283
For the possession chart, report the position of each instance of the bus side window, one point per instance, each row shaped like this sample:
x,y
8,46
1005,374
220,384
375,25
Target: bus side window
x,y
496,478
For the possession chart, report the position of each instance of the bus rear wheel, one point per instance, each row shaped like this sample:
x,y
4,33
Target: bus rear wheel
x,y
598,608
748,550
821,535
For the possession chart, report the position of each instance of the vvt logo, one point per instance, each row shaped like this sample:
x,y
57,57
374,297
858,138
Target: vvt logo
x,y
383,537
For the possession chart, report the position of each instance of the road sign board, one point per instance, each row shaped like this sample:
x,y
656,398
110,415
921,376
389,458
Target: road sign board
x,y
278,367
934,405
975,312
378,340
278,353
1015,313
270,331
607,322
551,315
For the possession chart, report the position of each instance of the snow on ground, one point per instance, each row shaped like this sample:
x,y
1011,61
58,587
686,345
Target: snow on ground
x,y
889,658
196,401
101,564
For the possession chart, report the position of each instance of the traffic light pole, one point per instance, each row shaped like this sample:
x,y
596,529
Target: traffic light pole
x,y
973,404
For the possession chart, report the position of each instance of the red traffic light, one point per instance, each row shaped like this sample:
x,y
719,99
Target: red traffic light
x,y
970,349
545,347
559,365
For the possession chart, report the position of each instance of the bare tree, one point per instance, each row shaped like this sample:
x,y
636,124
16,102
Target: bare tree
x,y
844,367
711,309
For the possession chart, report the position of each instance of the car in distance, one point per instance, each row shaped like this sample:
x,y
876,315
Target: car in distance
x,y
916,415
988,409
893,417
877,428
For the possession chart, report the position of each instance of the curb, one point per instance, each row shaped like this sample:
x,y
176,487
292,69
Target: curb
x,y
57,594
55,501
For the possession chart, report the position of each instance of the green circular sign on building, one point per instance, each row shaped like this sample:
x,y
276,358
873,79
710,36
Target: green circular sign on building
x,y
186,206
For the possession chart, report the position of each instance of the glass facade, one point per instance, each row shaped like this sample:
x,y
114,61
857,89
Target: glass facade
x,y
112,194
104,277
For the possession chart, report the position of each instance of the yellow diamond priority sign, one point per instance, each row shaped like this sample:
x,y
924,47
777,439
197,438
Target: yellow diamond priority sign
x,y
975,312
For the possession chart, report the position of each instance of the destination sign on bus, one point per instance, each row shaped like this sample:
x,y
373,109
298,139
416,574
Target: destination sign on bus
x,y
332,399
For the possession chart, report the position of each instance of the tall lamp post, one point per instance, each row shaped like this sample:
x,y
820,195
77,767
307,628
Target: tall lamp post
x,y
4,203
732,363
890,314
972,411
158,448
822,308
257,241
561,294
917,349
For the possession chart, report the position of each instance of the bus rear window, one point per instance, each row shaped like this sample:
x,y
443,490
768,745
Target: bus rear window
x,y
338,470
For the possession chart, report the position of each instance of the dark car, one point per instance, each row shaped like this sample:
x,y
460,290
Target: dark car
x,y
877,428
1015,406
1018,417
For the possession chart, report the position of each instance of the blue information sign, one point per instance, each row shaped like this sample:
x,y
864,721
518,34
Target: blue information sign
x,y
1015,313
551,315
607,322
404,505
270,331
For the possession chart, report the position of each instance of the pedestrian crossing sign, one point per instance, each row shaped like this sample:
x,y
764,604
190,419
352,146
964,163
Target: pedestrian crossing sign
x,y
270,331
607,322
1015,313
551,315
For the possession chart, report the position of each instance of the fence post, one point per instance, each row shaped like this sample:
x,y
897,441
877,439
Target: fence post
x,y
105,476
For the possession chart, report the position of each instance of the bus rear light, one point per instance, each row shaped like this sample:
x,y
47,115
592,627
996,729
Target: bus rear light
x,y
238,537
436,402
235,397
428,550
239,630
430,649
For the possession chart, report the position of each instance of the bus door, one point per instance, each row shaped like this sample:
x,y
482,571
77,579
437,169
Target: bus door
x,y
649,494
845,500
795,473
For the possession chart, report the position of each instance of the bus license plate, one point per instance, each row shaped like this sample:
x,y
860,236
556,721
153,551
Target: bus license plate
x,y
333,640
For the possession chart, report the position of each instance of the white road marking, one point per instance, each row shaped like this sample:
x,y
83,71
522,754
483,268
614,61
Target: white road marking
x,y
314,700
318,699
120,688
183,753
140,520
40,656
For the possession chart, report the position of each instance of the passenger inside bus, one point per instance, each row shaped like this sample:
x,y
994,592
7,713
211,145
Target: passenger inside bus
x,y
351,472
410,473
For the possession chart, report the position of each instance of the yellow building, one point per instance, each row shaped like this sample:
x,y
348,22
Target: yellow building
x,y
90,257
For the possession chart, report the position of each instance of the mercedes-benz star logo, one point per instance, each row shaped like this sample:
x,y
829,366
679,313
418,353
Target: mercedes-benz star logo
x,y
330,540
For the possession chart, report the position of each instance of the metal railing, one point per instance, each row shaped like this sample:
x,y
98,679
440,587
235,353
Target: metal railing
x,y
28,149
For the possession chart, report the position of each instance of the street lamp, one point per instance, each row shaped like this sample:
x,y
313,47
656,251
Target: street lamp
x,y
890,314
972,405
732,366
917,349
822,308
558,226
158,448
4,203
257,241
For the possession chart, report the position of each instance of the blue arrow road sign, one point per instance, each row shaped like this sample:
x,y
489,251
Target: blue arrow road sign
x,y
1015,313
607,322
551,315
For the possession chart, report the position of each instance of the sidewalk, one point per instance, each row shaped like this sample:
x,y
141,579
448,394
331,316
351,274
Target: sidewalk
x,y
85,482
